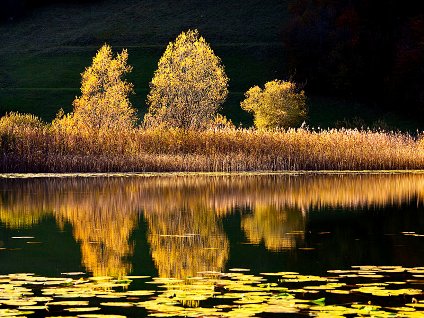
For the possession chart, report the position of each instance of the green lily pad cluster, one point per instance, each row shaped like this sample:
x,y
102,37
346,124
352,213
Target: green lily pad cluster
x,y
363,291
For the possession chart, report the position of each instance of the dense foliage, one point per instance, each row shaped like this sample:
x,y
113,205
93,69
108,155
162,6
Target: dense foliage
x,y
104,103
279,105
189,85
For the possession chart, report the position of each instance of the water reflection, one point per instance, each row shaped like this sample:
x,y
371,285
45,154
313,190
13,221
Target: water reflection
x,y
184,214
279,228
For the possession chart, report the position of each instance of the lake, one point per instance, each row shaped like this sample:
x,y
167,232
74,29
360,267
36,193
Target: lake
x,y
212,245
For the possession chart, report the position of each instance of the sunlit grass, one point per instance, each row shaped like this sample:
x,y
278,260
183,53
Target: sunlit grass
x,y
43,149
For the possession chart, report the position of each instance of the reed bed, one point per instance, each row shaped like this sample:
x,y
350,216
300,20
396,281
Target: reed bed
x,y
43,149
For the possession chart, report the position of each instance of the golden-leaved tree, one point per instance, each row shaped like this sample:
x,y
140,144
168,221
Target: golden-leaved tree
x,y
189,85
279,105
104,103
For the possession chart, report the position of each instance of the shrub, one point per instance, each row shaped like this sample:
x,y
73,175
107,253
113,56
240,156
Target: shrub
x,y
16,121
279,105
189,85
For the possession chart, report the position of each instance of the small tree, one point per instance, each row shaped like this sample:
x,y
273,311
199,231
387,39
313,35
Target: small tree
x,y
189,85
104,103
279,105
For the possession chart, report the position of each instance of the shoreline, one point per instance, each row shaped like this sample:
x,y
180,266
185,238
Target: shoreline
x,y
202,174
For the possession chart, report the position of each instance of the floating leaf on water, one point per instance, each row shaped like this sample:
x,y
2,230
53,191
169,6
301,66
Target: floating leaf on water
x,y
117,304
68,303
416,305
320,301
338,291
73,273
18,302
100,278
373,284
409,309
338,271
225,306
366,307
100,316
371,276
110,296
139,293
136,277
416,270
339,310
32,308
22,237
82,309
239,270
14,312
281,310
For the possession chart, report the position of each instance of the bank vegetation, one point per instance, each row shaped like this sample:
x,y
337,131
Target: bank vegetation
x,y
183,129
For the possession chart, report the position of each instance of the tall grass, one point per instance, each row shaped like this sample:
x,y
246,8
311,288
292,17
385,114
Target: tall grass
x,y
40,148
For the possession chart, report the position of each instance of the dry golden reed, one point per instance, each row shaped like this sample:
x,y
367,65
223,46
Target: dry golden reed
x,y
43,149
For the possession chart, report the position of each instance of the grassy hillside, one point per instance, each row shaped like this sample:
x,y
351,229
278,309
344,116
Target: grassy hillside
x,y
43,54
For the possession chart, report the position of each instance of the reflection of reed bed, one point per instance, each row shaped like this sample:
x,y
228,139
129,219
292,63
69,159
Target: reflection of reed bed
x,y
221,194
43,149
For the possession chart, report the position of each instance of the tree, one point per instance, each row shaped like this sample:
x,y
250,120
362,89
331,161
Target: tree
x,y
189,85
104,103
280,104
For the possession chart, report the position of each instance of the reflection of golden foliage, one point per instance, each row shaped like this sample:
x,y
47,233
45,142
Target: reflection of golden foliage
x,y
104,211
279,229
103,232
17,208
185,242
20,217
102,219
100,215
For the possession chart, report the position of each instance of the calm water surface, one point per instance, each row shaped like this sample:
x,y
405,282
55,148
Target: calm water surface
x,y
238,245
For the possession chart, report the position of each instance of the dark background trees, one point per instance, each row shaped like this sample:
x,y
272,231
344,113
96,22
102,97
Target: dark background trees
x,y
14,9
372,50
360,62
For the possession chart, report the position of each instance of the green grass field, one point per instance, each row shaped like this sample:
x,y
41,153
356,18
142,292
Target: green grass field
x,y
42,56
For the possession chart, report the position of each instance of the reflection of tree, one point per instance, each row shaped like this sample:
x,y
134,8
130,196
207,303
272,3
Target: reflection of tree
x,y
17,209
103,230
101,214
185,242
184,212
21,216
278,228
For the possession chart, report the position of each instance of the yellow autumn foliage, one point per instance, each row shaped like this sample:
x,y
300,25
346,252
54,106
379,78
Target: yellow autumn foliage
x,y
104,104
278,105
18,121
189,85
